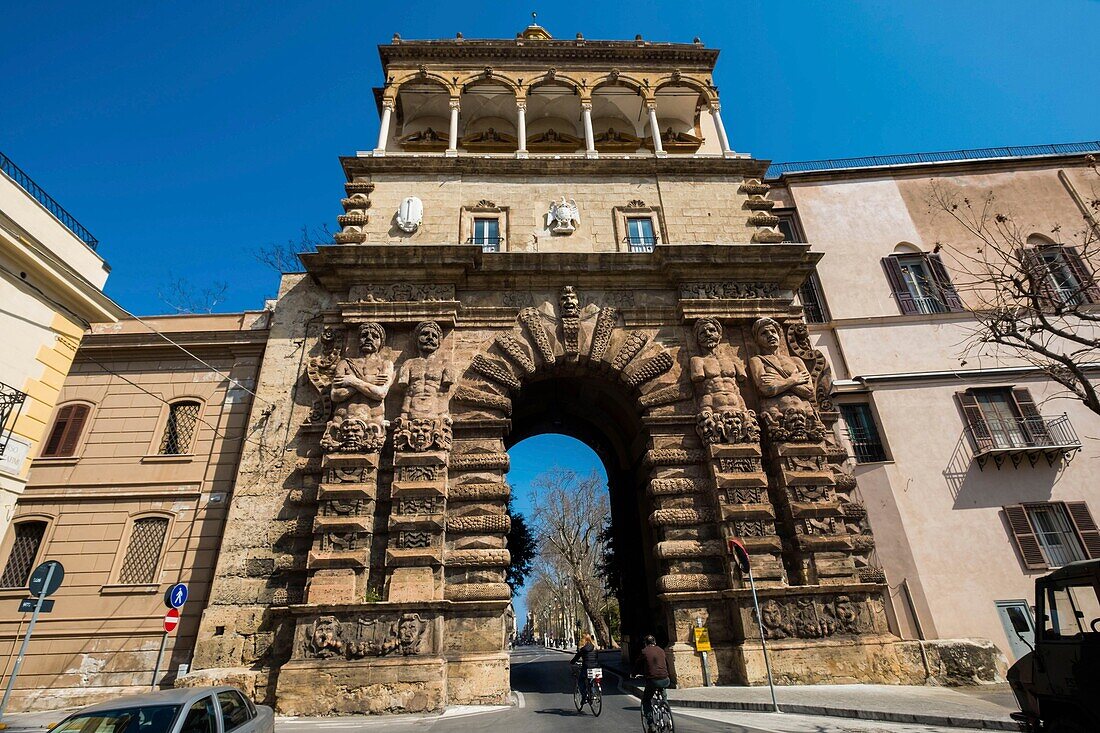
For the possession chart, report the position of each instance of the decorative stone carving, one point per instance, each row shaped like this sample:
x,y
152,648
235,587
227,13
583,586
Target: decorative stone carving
x,y
478,492
649,369
601,333
667,517
417,473
479,462
722,417
798,341
804,617
320,370
676,486
425,422
410,215
495,371
515,351
412,540
401,292
729,290
488,557
746,495
359,387
479,523
673,457
665,396
785,387
419,505
630,348
676,549
569,311
753,528
325,638
376,638
687,582
477,592
480,398
564,216
740,464
533,321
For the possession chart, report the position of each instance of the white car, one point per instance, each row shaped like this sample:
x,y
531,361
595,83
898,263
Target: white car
x,y
186,710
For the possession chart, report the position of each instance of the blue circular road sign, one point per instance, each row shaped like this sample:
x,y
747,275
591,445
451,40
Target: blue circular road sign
x,y
51,569
176,596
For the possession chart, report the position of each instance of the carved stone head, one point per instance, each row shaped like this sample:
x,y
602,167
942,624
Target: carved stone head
x,y
371,338
568,302
708,333
768,334
330,338
428,337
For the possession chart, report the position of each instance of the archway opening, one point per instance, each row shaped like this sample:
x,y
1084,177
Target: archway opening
x,y
589,428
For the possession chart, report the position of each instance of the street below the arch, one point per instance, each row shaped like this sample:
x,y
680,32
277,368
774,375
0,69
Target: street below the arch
x,y
543,687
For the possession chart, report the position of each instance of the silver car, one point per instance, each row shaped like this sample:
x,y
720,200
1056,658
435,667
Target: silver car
x,y
187,710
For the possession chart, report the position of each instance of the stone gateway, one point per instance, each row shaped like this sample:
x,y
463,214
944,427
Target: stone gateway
x,y
650,312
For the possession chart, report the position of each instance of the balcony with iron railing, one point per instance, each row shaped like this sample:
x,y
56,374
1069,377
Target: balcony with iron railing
x,y
487,244
640,244
1023,437
35,191
11,401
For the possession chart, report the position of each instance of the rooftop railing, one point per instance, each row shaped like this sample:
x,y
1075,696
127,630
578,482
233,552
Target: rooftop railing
x,y
875,161
35,191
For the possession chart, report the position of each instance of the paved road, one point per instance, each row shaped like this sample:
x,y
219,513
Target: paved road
x,y
543,685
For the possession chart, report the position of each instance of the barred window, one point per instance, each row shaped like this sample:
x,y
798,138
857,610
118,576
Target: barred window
x,y
143,553
24,550
183,417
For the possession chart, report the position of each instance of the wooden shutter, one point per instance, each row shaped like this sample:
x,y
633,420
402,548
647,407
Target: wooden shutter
x,y
65,435
948,295
1034,425
1086,528
1039,274
979,428
1024,535
896,278
1080,269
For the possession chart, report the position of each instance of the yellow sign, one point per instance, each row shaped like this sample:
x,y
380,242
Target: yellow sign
x,y
702,640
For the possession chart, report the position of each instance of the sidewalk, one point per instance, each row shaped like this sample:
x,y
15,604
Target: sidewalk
x,y
985,707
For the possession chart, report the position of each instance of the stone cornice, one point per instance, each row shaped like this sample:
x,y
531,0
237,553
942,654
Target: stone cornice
x,y
337,267
150,345
554,52
424,165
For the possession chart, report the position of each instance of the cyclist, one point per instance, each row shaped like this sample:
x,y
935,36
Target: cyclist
x,y
651,665
586,656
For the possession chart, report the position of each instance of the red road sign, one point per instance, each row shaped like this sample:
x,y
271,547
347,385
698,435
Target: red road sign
x,y
738,550
171,619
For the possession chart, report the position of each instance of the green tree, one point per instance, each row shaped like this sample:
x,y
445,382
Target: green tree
x,y
521,546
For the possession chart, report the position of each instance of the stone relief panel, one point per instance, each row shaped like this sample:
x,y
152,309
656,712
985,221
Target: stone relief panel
x,y
425,421
321,370
330,638
359,389
821,374
729,290
785,387
815,617
717,375
400,292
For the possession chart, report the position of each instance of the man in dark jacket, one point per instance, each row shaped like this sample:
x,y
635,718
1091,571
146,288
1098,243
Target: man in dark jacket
x,y
586,655
651,665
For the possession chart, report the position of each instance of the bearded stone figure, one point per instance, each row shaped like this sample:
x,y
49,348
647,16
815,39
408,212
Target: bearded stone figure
x,y
425,422
786,389
359,388
716,374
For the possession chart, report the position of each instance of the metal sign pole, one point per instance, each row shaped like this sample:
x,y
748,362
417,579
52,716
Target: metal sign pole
x,y
160,658
26,642
763,643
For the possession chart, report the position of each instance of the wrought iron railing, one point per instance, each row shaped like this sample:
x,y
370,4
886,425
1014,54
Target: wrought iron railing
x,y
11,401
813,305
1018,151
641,244
488,244
27,184
867,446
1024,433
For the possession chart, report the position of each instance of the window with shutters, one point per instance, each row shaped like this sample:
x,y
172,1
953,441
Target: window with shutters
x,y
863,433
143,552
921,284
1005,421
179,431
26,542
1060,275
1053,534
64,437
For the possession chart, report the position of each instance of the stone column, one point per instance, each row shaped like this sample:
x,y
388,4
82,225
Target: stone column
x,y
589,138
716,115
384,129
655,129
521,128
452,139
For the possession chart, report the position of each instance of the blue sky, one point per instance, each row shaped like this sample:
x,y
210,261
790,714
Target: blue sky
x,y
184,135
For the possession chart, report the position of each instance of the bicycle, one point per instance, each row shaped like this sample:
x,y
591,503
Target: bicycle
x,y
660,719
595,690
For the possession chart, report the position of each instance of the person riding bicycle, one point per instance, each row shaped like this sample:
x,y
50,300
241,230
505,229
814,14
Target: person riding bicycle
x,y
651,665
586,656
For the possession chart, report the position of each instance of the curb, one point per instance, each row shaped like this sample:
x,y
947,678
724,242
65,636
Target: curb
x,y
880,715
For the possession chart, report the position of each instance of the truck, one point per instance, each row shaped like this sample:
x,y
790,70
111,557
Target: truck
x,y
1057,683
